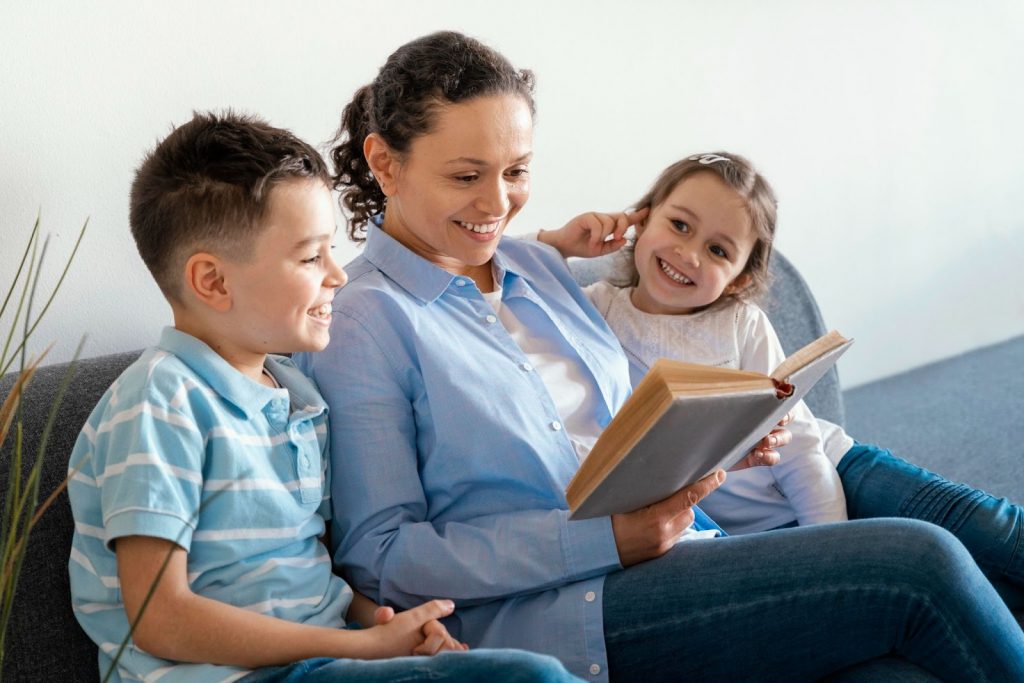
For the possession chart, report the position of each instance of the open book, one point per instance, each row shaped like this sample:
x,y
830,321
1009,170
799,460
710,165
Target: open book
x,y
684,421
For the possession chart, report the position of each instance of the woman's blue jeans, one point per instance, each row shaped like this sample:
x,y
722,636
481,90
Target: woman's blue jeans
x,y
799,604
475,666
879,484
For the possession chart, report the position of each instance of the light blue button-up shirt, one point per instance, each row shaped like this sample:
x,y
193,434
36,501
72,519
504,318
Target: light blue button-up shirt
x,y
450,465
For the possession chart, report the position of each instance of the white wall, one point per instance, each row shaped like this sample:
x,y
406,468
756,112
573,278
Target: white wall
x,y
892,132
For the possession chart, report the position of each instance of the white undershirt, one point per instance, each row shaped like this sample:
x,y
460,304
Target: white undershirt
x,y
567,381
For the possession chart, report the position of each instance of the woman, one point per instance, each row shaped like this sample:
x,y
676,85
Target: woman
x,y
470,374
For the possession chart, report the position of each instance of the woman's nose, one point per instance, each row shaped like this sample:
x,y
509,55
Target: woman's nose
x,y
494,199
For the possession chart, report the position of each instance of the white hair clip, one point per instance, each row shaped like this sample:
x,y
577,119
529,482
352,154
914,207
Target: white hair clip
x,y
706,159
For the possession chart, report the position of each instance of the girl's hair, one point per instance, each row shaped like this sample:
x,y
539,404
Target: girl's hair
x,y
402,104
739,174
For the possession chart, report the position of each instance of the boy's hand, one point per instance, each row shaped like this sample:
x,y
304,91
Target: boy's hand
x,y
593,233
413,632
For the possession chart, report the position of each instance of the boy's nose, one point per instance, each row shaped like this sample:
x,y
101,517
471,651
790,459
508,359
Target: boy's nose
x,y
336,276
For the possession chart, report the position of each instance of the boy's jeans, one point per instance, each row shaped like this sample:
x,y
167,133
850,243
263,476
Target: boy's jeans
x,y
475,666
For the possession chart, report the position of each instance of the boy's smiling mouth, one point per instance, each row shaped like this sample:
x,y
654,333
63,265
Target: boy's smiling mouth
x,y
674,274
321,312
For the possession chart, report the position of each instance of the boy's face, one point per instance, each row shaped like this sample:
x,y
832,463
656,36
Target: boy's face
x,y
281,297
693,247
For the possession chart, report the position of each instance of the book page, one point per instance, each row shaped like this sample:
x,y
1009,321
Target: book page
x,y
817,348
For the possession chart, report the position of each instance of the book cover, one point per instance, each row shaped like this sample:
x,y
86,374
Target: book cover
x,y
684,421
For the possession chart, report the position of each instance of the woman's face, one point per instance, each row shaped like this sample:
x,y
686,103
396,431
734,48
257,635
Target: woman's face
x,y
452,194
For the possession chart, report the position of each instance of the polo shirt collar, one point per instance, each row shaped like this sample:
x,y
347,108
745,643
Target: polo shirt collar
x,y
249,396
413,273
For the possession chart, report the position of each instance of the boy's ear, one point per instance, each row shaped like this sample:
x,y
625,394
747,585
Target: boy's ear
x,y
383,162
204,280
742,281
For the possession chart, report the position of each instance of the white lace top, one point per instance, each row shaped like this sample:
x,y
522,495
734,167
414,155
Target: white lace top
x,y
804,486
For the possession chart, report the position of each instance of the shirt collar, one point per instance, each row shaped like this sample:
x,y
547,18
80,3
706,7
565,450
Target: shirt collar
x,y
413,273
249,396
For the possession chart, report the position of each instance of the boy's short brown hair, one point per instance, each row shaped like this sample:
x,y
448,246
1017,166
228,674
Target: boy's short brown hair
x,y
206,187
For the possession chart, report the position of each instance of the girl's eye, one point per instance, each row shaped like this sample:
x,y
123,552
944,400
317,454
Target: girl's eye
x,y
681,226
718,251
312,260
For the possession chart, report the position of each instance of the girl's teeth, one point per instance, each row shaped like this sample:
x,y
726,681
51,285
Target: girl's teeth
x,y
674,274
489,227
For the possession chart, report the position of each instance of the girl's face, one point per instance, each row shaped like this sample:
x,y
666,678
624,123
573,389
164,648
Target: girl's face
x,y
693,248
452,194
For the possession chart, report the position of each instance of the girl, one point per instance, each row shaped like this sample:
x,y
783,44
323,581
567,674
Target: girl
x,y
699,261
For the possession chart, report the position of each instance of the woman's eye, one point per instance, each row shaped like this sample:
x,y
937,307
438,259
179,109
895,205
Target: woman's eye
x,y
518,173
681,226
465,178
718,251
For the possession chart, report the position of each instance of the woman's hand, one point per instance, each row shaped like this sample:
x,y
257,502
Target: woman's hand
x,y
651,531
764,453
593,233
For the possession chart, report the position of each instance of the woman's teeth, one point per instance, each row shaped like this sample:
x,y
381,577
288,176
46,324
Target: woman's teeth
x,y
484,228
321,311
674,274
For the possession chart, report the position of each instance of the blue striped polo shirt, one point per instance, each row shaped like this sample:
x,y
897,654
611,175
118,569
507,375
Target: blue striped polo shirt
x,y
186,448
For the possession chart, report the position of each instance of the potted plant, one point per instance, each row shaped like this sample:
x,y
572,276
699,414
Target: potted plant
x,y
21,508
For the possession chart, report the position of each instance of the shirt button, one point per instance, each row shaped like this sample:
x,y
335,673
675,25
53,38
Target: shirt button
x,y
460,283
595,669
590,596
525,367
305,461
491,319
556,425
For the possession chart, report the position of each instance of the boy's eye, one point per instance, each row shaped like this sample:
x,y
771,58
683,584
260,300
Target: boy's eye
x,y
718,251
681,226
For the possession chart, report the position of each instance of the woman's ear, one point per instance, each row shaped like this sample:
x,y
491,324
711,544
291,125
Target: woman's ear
x,y
383,162
204,281
742,281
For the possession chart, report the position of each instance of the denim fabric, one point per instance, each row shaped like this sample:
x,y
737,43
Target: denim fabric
x,y
483,666
879,484
723,610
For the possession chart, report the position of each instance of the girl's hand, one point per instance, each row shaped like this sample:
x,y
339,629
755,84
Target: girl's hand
x,y
764,453
593,233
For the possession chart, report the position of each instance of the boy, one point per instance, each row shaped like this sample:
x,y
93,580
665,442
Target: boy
x,y
212,453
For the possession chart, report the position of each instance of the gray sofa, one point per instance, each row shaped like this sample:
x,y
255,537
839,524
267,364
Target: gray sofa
x,y
959,417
